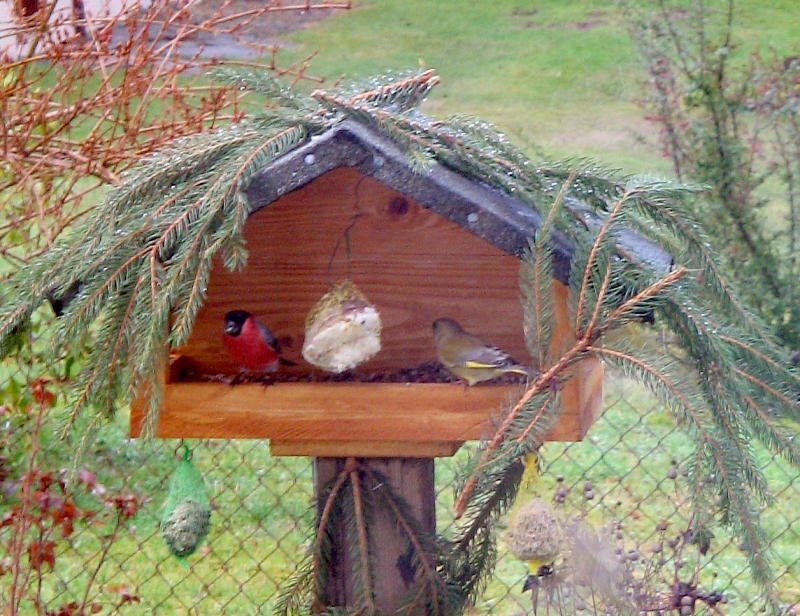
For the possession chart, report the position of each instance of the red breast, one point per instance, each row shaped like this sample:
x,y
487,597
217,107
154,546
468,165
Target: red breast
x,y
250,349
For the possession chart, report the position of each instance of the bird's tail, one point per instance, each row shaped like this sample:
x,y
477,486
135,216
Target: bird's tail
x,y
523,370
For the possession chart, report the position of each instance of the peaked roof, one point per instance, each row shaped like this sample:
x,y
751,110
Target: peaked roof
x,y
494,216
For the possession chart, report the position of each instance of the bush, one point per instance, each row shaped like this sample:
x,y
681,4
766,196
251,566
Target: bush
x,y
731,121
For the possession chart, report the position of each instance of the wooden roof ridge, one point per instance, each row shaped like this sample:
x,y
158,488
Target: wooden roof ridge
x,y
494,216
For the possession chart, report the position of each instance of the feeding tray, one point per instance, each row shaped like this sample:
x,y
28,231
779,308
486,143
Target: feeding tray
x,y
334,419
421,247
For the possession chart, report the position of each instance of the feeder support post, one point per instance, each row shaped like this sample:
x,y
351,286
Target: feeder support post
x,y
411,479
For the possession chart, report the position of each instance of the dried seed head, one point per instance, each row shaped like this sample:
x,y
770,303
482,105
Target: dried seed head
x,y
672,473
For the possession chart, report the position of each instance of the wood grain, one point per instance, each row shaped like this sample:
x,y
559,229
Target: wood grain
x,y
411,480
414,265
367,412
364,449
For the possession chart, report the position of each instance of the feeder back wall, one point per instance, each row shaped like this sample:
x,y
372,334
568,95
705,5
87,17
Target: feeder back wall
x,y
413,264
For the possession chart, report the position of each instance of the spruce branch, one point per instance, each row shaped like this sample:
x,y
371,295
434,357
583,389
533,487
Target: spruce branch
x,y
592,258
653,290
536,279
402,94
535,421
365,568
142,261
777,365
323,526
292,595
545,380
472,553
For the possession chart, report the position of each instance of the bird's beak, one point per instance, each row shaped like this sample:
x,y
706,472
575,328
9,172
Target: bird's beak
x,y
231,329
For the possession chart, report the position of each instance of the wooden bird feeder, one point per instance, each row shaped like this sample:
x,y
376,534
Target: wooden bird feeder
x,y
422,246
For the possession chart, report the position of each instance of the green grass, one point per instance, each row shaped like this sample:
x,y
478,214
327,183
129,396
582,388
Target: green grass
x,y
560,75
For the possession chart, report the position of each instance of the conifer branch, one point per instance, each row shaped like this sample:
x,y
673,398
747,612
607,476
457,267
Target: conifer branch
x,y
532,423
414,89
363,542
93,303
322,527
593,252
545,380
539,292
123,329
789,402
778,367
144,256
653,290
598,302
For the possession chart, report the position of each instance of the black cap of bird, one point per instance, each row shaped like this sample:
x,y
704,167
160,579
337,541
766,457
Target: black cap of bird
x,y
470,358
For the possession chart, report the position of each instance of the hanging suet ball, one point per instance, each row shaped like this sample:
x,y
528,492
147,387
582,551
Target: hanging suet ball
x,y
534,535
185,527
187,511
343,329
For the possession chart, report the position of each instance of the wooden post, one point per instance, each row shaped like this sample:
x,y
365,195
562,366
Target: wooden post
x,y
409,478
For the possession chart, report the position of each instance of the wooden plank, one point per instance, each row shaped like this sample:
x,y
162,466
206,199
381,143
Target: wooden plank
x,y
175,368
364,449
582,392
592,372
375,412
171,374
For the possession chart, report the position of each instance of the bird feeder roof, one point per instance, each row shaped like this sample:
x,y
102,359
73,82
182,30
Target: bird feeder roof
x,y
494,216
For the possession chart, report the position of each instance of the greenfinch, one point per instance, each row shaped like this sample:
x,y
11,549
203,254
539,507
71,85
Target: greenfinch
x,y
468,357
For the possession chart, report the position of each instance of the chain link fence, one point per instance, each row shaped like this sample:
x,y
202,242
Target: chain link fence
x,y
624,480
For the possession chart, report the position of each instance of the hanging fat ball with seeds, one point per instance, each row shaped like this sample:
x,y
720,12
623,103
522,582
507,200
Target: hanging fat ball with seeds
x,y
185,527
535,536
468,357
187,511
343,329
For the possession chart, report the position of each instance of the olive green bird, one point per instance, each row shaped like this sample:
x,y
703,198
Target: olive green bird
x,y
468,357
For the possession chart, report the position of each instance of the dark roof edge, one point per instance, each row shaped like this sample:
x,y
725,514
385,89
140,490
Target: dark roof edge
x,y
492,215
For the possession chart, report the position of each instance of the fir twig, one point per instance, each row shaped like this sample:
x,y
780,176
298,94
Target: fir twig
x,y
363,541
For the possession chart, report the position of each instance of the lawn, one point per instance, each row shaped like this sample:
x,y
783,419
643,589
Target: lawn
x,y
563,76
560,77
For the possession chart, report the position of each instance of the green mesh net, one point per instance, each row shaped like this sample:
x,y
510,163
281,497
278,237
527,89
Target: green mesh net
x,y
187,512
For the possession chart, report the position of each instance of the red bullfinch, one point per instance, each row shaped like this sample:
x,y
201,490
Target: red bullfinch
x,y
251,344
468,357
